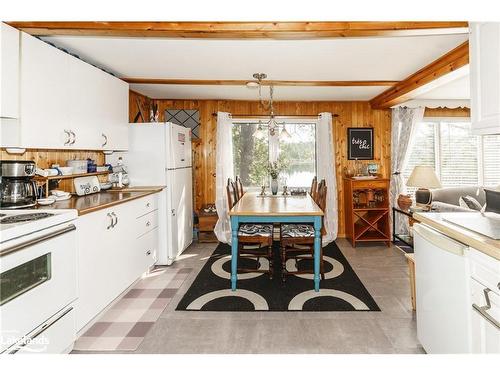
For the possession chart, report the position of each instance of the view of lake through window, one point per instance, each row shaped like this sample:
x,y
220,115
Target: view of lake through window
x,y
253,151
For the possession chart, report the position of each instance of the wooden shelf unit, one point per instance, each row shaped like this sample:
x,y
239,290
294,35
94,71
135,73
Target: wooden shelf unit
x,y
367,221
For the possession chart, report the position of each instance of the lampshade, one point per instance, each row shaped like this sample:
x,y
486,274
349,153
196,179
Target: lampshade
x,y
423,177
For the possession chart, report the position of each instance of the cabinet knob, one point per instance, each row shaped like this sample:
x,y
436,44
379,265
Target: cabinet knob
x,y
148,252
105,140
148,204
148,224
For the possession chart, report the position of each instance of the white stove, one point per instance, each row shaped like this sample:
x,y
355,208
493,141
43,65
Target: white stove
x,y
18,223
38,267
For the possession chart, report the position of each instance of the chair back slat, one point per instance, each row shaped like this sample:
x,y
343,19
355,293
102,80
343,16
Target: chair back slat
x,y
231,193
314,186
239,187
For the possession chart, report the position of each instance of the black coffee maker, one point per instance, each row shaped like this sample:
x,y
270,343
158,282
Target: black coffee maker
x,y
17,186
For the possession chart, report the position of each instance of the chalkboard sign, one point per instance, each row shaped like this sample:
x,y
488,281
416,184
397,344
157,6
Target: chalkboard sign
x,y
360,143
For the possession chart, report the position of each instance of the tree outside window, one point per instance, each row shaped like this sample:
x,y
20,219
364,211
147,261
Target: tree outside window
x,y
252,154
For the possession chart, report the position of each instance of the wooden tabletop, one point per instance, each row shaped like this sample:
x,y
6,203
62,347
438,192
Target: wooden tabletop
x,y
252,204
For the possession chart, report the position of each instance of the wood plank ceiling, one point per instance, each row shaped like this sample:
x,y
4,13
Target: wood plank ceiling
x,y
398,92
242,30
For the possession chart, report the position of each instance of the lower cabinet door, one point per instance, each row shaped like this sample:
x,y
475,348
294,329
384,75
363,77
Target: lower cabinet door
x,y
97,268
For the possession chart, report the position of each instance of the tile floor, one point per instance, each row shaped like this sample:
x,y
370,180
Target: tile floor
x,y
382,270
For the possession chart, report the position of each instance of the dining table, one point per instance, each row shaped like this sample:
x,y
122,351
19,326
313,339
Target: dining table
x,y
275,209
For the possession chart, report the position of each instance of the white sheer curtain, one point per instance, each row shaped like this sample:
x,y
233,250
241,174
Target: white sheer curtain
x,y
223,170
325,169
404,121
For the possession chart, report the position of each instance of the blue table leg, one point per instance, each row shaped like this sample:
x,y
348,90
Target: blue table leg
x,y
234,251
317,250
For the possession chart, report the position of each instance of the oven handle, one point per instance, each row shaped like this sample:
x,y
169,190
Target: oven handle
x,y
41,330
33,241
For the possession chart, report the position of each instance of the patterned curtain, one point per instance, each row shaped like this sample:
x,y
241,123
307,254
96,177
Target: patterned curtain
x,y
403,125
223,170
326,170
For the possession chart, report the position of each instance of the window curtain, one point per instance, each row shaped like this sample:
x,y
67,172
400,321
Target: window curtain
x,y
223,170
404,121
325,169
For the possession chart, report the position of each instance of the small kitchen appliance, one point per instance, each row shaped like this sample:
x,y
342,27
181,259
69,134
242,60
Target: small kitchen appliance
x,y
17,187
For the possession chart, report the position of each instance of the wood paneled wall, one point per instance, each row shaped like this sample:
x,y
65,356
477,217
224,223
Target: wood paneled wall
x,y
350,114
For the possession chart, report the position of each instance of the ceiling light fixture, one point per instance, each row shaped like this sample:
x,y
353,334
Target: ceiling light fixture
x,y
252,84
272,125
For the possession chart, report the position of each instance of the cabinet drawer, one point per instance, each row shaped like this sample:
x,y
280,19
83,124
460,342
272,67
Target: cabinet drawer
x,y
369,184
485,269
146,223
144,205
147,249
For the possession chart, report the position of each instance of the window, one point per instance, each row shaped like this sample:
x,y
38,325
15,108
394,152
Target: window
x,y
252,154
458,157
491,160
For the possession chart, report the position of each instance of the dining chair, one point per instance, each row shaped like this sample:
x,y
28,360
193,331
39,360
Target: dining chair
x,y
255,241
314,186
297,240
239,187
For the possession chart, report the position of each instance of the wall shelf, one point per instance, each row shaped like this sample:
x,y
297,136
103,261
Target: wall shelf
x,y
45,180
65,177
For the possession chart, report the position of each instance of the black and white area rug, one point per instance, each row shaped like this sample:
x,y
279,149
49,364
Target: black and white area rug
x,y
340,291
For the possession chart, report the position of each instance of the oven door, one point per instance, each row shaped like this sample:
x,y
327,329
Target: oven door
x,y
38,279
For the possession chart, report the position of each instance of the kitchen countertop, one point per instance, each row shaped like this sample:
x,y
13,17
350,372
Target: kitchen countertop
x,y
104,199
473,239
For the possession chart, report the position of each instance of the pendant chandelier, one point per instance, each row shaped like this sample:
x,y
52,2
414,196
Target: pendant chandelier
x,y
272,126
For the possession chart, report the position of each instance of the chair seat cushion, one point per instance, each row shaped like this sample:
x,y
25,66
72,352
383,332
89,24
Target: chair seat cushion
x,y
297,230
264,230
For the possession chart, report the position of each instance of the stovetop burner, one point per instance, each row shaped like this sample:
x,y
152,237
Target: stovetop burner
x,y
24,217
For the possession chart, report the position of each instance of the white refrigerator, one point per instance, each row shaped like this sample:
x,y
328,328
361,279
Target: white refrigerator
x,y
160,154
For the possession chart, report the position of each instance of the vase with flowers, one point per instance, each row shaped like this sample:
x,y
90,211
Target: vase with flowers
x,y
274,169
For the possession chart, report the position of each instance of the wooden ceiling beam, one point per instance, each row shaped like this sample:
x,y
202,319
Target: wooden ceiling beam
x,y
237,82
401,92
243,30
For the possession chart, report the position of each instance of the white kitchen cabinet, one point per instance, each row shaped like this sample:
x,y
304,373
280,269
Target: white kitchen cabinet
x,y
484,46
9,72
44,95
99,107
66,103
113,253
485,298
114,97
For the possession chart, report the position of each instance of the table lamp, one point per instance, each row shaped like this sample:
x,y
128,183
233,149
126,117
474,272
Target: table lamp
x,y
423,178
